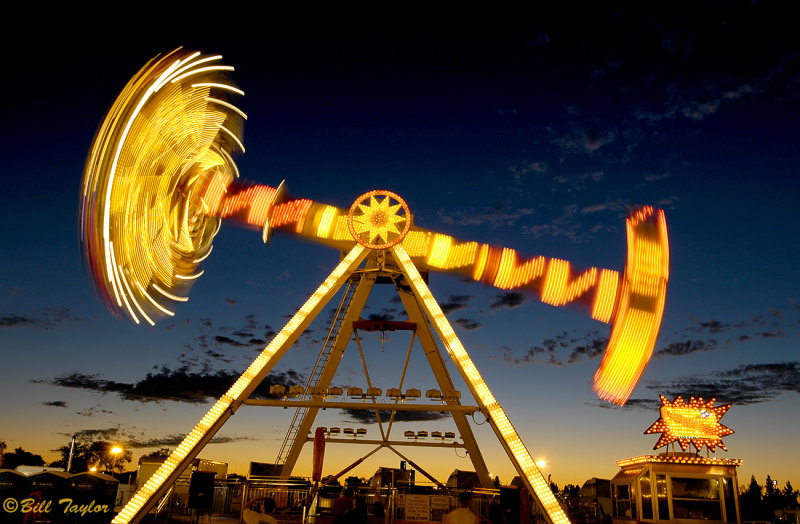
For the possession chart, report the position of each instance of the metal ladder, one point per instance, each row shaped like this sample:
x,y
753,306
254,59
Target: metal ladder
x,y
319,366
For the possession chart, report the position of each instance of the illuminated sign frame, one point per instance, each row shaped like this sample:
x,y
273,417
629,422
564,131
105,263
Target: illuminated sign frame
x,y
696,422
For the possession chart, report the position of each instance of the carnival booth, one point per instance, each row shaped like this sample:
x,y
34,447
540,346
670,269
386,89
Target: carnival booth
x,y
14,486
681,487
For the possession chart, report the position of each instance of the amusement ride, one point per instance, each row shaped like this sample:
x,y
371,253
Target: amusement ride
x,y
160,178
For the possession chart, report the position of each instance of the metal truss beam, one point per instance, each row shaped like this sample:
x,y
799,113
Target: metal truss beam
x,y
506,434
147,496
383,406
363,290
387,443
439,369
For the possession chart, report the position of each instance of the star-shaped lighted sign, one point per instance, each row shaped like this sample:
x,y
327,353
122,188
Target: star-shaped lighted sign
x,y
695,422
374,219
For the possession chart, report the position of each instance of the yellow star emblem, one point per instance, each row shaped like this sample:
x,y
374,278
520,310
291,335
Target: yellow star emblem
x,y
696,422
375,217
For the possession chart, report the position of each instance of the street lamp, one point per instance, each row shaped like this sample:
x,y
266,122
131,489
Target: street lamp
x,y
115,451
541,463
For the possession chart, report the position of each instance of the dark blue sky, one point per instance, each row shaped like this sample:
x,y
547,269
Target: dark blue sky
x,y
538,140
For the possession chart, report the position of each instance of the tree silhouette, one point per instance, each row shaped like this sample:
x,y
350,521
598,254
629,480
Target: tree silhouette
x,y
109,461
750,501
326,478
770,488
159,453
20,457
354,481
754,506
96,454
790,495
78,458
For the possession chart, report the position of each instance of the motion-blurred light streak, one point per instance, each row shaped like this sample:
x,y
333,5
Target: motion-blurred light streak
x,y
144,225
640,307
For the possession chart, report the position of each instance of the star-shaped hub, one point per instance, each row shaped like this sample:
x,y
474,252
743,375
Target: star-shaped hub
x,y
695,422
376,218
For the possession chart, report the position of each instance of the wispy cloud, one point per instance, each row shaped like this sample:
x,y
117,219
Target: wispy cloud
x,y
468,324
710,326
642,404
565,225
587,350
174,440
554,179
743,385
566,348
46,318
529,169
98,434
726,334
582,139
218,343
700,109
617,206
455,302
499,215
130,439
94,410
510,300
386,314
178,385
361,416
652,177
563,349
685,347
695,103
222,339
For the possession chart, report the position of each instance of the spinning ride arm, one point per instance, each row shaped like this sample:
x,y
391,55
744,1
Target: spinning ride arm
x,y
633,304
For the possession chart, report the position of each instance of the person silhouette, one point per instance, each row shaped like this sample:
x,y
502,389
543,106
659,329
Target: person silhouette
x,y
462,514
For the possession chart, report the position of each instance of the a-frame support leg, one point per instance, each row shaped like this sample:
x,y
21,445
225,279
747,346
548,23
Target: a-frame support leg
x,y
223,409
337,351
519,455
439,369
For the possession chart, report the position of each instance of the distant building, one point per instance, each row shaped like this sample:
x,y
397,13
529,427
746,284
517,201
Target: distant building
x,y
463,480
392,477
149,465
595,499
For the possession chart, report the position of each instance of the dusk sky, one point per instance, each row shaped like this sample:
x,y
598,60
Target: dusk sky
x,y
540,140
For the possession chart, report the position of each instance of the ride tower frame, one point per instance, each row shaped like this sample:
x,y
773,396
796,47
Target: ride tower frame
x,y
424,311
